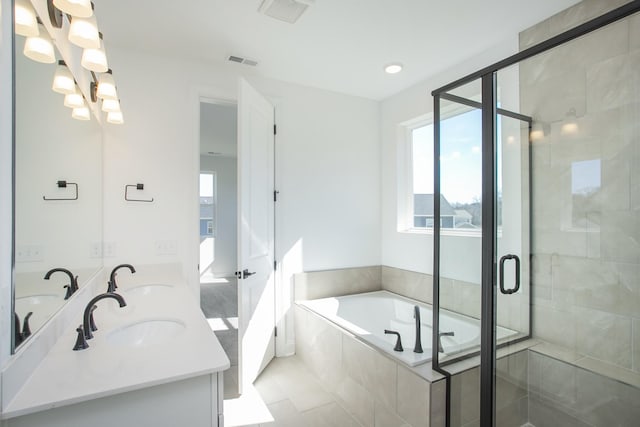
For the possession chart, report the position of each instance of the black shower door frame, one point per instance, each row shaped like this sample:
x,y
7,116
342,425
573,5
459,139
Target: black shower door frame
x,y
489,203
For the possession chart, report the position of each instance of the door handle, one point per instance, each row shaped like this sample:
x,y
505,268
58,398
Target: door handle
x,y
517,283
244,273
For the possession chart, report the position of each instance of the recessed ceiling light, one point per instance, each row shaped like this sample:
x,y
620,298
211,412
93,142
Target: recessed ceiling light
x,y
393,68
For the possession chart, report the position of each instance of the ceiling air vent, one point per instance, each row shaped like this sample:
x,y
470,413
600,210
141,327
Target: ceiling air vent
x,y
241,60
285,10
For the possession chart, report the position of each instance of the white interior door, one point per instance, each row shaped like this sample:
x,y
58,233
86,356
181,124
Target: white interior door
x,y
256,294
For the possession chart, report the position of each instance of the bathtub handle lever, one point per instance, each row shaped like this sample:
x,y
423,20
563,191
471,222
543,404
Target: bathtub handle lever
x,y
398,346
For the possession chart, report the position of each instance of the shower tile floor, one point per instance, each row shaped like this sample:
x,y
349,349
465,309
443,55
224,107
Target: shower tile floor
x,y
286,394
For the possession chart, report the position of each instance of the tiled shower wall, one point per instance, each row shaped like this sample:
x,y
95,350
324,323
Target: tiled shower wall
x,y
586,233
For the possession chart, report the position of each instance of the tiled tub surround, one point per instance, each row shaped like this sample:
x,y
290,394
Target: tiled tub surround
x,y
368,315
378,390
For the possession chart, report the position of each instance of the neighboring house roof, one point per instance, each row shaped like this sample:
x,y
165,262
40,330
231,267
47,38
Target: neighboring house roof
x,y
462,213
423,205
206,200
467,225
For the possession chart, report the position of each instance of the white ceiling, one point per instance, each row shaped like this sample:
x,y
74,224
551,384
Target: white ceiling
x,y
338,45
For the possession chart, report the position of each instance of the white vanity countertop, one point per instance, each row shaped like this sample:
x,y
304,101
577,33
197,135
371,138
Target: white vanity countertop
x,y
105,368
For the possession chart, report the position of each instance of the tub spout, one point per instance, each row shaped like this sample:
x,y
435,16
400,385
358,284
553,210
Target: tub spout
x,y
398,346
443,334
417,348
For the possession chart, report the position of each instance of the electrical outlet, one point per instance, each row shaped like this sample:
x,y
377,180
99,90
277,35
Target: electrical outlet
x,y
108,249
95,251
166,247
29,253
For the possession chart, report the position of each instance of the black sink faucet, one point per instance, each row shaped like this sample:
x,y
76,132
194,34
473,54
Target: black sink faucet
x,y
88,325
73,281
112,279
86,318
417,348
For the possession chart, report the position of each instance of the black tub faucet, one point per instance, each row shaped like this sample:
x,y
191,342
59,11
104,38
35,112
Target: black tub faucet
x,y
398,346
72,287
443,334
112,278
417,348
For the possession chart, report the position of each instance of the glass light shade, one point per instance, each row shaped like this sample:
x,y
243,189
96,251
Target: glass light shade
x,y
81,113
106,87
74,100
40,47
110,105
79,8
569,124
26,23
115,117
63,80
83,32
95,59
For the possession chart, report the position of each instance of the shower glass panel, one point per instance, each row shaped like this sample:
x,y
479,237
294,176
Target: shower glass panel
x,y
460,233
584,97
512,290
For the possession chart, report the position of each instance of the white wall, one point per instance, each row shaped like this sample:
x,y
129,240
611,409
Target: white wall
x,y
414,251
327,164
57,148
226,248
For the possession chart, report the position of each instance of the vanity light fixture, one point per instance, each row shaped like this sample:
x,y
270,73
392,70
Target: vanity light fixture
x,y
63,81
40,47
393,68
83,32
570,123
26,23
79,8
115,117
95,59
110,105
74,100
81,113
106,88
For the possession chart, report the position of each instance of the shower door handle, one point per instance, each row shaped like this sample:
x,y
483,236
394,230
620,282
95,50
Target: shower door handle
x,y
517,284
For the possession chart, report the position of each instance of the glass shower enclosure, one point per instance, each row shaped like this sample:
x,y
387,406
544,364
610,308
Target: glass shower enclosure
x,y
537,231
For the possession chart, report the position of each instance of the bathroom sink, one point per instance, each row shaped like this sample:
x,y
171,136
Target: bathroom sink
x,y
43,306
37,300
146,333
147,289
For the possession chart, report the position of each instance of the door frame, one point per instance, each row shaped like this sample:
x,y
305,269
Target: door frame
x,y
227,95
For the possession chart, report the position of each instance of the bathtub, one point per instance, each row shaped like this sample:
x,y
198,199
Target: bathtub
x,y
367,315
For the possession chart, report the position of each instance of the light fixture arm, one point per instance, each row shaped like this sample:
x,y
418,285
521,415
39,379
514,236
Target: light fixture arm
x,y
55,15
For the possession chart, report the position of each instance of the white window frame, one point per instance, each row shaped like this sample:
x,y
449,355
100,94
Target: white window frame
x,y
405,208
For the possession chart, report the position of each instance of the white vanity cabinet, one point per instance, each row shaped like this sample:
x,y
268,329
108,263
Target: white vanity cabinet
x,y
193,402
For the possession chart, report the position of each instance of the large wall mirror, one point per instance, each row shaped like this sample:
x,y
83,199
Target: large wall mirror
x,y
58,197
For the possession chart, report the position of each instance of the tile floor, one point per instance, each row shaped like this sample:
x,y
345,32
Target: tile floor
x,y
286,394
